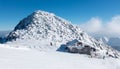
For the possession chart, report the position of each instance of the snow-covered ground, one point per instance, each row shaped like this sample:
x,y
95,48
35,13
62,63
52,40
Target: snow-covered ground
x,y
25,58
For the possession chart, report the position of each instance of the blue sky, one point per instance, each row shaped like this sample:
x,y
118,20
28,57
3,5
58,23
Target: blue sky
x,y
76,11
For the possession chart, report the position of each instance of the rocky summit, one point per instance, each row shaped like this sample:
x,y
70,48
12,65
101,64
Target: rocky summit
x,y
54,31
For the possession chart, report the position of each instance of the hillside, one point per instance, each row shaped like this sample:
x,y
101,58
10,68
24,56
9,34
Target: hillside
x,y
46,31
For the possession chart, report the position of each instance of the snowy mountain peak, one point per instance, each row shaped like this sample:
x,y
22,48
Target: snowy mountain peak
x,y
41,24
46,30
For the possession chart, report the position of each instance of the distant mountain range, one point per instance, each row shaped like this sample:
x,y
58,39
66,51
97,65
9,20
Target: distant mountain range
x,y
112,41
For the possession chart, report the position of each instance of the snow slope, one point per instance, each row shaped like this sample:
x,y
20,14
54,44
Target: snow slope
x,y
25,58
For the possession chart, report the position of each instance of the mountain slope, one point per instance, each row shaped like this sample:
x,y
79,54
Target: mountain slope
x,y
43,30
43,25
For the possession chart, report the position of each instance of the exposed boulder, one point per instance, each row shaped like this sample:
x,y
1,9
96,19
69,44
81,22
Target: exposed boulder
x,y
81,48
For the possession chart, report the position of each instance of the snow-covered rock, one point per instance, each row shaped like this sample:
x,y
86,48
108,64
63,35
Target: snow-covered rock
x,y
46,27
43,25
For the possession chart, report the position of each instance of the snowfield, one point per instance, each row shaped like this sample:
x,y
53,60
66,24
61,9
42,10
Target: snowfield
x,y
25,58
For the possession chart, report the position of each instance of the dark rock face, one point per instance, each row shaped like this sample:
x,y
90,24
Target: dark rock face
x,y
86,50
0,39
11,37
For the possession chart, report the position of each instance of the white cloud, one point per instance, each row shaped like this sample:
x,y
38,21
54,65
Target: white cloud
x,y
95,26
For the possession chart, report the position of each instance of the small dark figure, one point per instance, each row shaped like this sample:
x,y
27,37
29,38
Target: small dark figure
x,y
93,49
103,57
107,52
51,43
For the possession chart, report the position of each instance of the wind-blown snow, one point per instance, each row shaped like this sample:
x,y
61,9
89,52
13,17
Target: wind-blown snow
x,y
23,58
